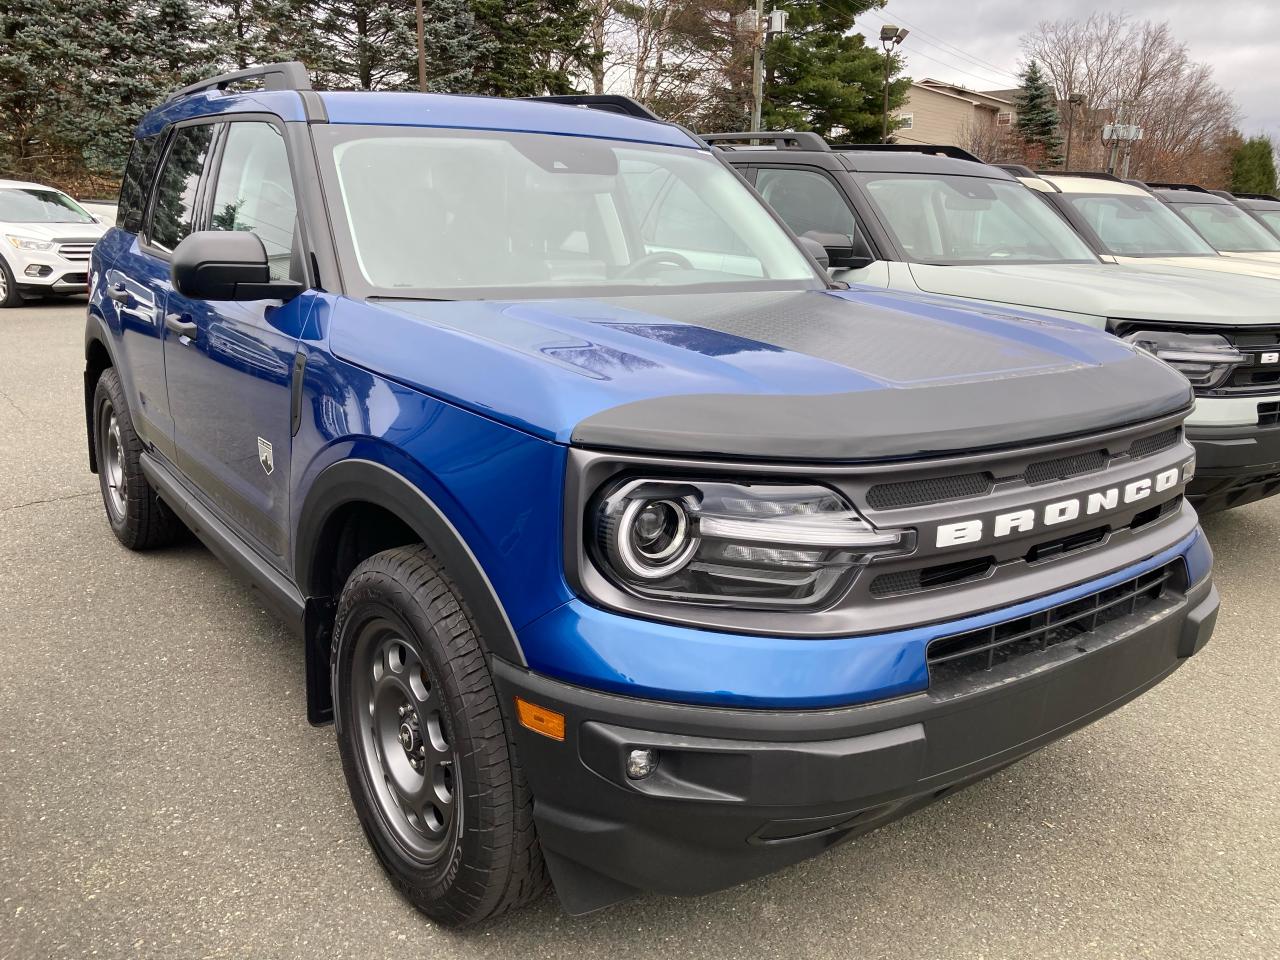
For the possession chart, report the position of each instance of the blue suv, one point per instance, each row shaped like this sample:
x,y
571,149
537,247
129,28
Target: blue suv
x,y
629,551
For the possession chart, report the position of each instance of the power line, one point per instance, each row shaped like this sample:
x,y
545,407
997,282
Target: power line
x,y
947,47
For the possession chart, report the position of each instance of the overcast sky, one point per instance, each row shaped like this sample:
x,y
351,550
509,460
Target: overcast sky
x,y
975,42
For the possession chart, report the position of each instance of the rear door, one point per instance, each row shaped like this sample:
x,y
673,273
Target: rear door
x,y
229,365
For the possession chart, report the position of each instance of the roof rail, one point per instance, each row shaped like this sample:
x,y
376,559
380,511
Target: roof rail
x,y
288,75
1092,174
1256,196
1193,187
932,149
608,102
1017,169
781,139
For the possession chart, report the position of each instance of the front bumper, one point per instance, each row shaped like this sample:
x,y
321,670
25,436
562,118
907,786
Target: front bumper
x,y
39,272
740,793
1234,465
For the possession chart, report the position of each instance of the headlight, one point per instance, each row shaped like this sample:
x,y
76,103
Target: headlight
x,y
779,546
1206,359
29,243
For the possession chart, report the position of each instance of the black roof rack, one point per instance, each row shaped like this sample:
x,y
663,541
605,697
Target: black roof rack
x,y
1017,169
1093,174
1193,187
1256,196
781,139
608,102
932,149
288,75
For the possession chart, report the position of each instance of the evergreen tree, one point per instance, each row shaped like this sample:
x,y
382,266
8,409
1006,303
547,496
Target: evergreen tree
x,y
820,76
1253,167
529,44
1038,116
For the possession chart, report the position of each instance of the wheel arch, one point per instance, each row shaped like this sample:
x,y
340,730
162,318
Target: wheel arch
x,y
98,356
379,509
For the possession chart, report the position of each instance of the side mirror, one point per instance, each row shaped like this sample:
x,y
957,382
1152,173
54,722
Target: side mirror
x,y
844,252
226,265
817,251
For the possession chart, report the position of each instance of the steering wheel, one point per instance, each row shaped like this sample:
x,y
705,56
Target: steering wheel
x,y
638,267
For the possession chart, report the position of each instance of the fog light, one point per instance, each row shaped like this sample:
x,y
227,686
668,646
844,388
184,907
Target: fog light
x,y
39,270
1188,470
641,763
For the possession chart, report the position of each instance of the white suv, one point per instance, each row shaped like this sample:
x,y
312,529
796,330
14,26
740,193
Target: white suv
x,y
45,242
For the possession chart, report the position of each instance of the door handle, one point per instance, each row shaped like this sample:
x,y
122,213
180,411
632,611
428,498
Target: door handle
x,y
183,328
118,293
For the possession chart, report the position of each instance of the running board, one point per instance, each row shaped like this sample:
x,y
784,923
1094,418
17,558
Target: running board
x,y
281,595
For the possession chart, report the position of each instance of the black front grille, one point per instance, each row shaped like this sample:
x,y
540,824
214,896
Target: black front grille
x,y
1063,468
1149,446
927,578
915,493
982,650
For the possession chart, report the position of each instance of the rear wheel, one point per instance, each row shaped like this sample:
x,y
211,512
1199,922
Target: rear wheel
x,y
432,772
139,519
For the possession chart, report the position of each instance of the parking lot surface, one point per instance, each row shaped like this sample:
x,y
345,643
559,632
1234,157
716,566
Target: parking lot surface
x,y
161,794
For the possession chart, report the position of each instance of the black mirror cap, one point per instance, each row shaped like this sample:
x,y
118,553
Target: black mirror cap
x,y
816,250
226,265
844,252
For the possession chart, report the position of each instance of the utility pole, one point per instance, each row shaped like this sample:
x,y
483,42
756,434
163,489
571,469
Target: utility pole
x,y
422,51
890,37
1072,100
757,67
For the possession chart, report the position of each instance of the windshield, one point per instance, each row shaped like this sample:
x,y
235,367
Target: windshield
x,y
957,220
1138,226
30,205
1271,218
1229,228
454,214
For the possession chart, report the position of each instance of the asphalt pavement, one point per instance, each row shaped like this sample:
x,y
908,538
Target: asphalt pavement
x,y
161,794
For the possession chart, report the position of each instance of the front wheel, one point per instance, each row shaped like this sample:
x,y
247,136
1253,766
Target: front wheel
x,y
432,772
10,295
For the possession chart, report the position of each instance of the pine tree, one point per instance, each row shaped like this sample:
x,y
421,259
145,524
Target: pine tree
x,y
820,76
1253,167
1038,117
531,43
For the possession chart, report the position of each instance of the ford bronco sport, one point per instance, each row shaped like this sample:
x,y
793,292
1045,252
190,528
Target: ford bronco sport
x,y
628,550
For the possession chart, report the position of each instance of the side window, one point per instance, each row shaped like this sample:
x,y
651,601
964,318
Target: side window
x,y
176,192
806,201
254,191
135,186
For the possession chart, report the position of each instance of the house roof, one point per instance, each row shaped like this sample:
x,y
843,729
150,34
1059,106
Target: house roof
x,y
964,93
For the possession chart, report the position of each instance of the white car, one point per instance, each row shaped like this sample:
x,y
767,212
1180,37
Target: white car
x,y
1128,224
104,210
935,220
45,242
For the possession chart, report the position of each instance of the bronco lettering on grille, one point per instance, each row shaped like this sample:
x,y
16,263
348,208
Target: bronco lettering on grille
x,y
1057,511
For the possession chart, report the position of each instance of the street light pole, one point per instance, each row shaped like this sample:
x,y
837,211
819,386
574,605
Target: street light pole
x,y
890,37
757,68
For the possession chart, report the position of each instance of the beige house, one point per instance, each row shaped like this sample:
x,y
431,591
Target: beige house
x,y
943,113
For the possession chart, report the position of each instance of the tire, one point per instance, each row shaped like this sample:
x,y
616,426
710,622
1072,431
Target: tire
x,y
455,831
10,295
138,517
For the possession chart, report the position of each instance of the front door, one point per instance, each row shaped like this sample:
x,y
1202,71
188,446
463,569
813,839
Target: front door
x,y
229,365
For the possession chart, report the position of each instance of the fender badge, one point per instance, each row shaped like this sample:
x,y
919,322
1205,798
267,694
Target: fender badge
x,y
264,456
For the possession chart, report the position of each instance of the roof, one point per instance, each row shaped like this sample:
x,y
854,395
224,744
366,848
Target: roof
x,y
964,93
1258,203
424,110
1084,183
25,185
1188,196
870,161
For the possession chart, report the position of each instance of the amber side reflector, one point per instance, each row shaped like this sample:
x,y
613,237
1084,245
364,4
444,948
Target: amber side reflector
x,y
540,719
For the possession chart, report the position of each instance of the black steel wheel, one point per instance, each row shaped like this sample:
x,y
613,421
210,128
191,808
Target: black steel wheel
x,y
431,767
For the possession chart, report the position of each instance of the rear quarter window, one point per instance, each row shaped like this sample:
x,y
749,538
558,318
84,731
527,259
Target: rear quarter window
x,y
138,174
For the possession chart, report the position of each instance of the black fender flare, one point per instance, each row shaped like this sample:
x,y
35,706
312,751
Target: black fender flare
x,y
354,480
97,332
